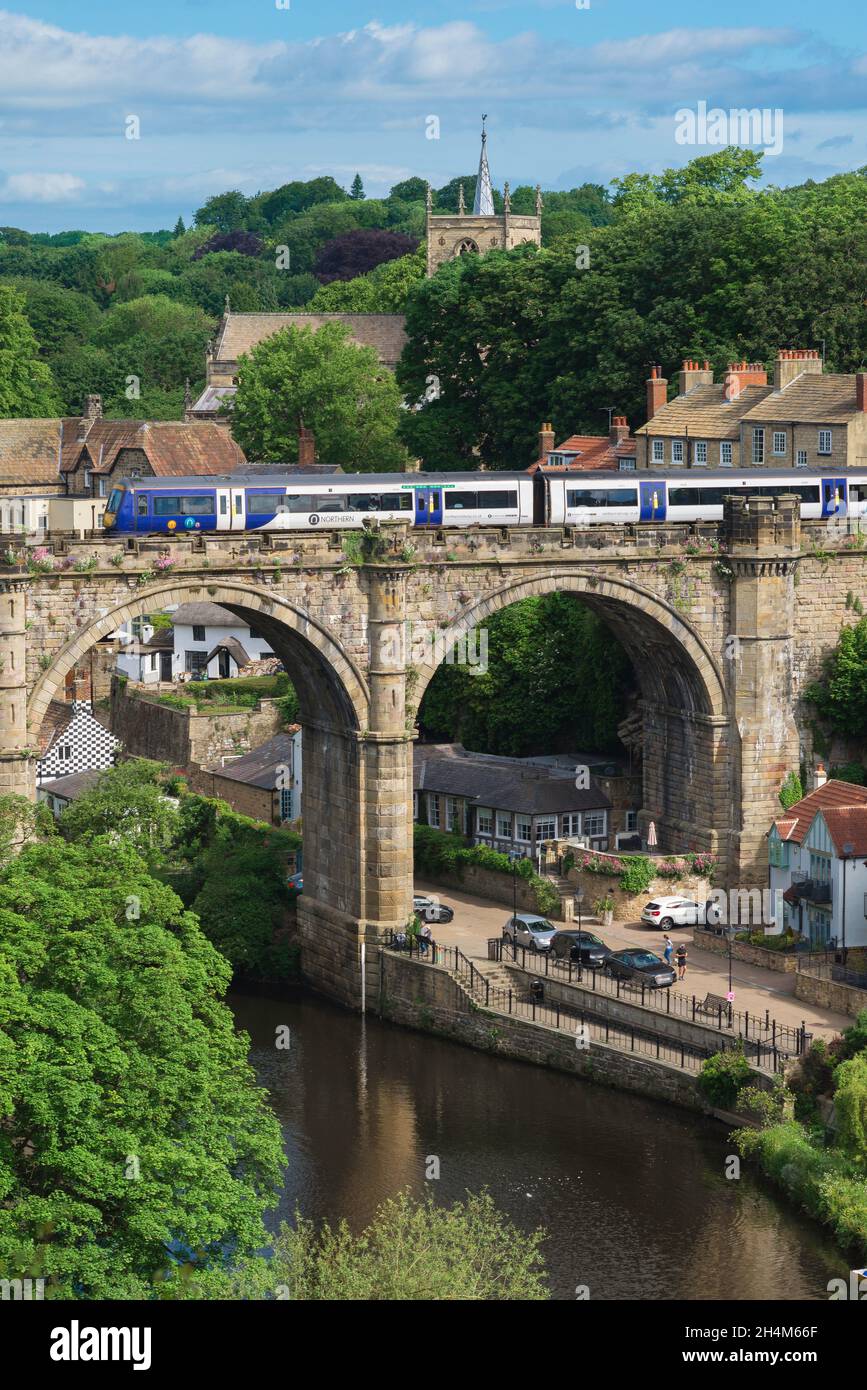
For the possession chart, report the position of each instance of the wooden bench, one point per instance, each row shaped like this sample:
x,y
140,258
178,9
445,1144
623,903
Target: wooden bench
x,y
715,1004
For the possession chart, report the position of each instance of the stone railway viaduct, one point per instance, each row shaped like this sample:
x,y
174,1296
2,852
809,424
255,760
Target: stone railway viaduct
x,y
724,625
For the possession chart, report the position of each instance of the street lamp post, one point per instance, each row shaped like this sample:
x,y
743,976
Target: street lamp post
x,y
515,856
579,898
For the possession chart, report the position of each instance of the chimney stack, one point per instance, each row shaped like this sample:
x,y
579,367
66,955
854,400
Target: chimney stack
x,y
792,363
861,391
741,374
306,447
694,374
619,432
546,442
820,776
657,391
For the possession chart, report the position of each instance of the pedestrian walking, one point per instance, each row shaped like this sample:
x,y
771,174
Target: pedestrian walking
x,y
424,938
669,950
680,961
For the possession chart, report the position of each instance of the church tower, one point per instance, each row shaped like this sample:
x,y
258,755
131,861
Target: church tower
x,y
482,230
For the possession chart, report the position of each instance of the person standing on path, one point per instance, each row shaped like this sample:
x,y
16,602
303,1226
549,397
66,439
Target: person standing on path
x,y
680,961
669,950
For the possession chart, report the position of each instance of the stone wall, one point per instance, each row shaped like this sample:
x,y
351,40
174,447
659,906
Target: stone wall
x,y
828,994
260,803
183,737
428,998
628,907
488,883
784,961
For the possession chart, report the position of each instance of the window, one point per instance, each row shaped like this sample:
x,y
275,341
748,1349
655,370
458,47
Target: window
x,y
778,854
504,827
64,753
142,504
196,662
433,810
700,451
677,451
199,634
571,823
546,829
396,502
454,817
237,503
102,487
779,442
264,503
594,823
523,828
698,496
415,805
820,867
115,499
286,803
461,501
193,504
631,820
824,441
801,458
484,821
725,453
602,497
224,505
758,446
627,465
659,451
497,501
153,662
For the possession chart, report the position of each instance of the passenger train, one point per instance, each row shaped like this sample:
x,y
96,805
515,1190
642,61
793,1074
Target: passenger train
x,y
550,497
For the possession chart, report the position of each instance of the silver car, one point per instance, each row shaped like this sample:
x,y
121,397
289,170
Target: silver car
x,y
530,930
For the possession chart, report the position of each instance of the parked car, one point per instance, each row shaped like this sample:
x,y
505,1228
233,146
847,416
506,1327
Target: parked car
x,y
640,966
431,910
673,912
295,883
530,930
579,945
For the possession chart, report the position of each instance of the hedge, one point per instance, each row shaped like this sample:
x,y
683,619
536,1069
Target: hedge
x,y
438,852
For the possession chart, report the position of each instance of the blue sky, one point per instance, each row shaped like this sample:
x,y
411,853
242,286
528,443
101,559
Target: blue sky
x,y
248,95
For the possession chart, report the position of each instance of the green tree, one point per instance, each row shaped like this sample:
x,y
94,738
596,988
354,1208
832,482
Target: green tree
x,y
412,1250
134,1137
850,1104
357,192
791,790
128,804
26,385
225,211
840,697
409,191
60,318
322,380
384,290
180,228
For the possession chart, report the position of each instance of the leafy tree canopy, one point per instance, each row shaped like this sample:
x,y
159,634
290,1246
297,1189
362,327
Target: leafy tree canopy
x,y
26,385
327,383
357,252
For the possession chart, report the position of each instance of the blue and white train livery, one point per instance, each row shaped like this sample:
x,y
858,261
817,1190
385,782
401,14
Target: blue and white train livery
x,y
550,497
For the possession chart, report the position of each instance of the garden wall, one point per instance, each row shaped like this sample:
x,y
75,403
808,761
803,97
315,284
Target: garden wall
x,y
784,961
181,736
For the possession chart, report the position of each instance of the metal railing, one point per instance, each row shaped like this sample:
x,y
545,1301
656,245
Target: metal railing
x,y
828,965
530,1004
749,1027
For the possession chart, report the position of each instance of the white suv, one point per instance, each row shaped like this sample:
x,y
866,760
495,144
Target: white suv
x,y
673,912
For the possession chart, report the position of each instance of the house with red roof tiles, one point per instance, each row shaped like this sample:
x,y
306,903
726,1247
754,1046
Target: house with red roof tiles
x,y
588,451
817,856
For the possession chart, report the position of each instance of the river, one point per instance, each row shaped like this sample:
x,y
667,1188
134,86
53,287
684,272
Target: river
x,y
631,1192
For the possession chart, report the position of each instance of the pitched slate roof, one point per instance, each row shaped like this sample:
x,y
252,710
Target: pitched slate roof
x,y
174,448
810,399
507,784
72,786
793,826
205,615
30,451
705,412
240,333
258,768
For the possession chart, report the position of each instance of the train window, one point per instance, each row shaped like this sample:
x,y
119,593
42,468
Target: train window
x,y
858,492
497,501
302,502
141,504
461,501
166,506
194,504
364,501
396,502
806,493
264,503
114,500
331,503
602,497
697,496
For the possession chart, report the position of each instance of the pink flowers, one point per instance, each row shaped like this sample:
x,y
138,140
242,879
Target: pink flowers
x,y
163,563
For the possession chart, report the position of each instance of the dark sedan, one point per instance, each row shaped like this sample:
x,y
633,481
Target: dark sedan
x,y
580,946
640,967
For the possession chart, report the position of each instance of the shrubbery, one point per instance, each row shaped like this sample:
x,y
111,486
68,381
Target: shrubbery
x,y
722,1076
438,853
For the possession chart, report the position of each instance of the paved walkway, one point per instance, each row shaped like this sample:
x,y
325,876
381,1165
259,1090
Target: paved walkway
x,y
755,989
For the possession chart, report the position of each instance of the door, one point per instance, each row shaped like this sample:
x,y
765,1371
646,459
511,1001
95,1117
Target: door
x,y
239,519
652,501
165,666
833,497
224,515
429,506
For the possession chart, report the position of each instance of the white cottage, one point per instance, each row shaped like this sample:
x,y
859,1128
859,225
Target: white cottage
x,y
210,641
71,740
817,854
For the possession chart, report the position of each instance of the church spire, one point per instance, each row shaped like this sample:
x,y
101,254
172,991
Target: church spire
x,y
483,205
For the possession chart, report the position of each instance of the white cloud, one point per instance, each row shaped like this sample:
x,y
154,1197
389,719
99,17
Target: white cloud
x,y
41,188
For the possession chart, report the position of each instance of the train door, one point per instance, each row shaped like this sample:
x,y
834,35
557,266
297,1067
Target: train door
x,y
239,518
224,509
429,506
833,497
652,501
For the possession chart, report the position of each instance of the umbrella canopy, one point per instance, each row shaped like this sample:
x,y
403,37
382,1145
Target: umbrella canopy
x,y
651,835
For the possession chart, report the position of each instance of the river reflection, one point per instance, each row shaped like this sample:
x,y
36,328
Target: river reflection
x,y
631,1192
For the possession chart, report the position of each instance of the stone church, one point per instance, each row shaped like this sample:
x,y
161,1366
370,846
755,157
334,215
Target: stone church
x,y
450,235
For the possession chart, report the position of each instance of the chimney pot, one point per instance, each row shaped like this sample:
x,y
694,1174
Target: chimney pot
x,y
546,440
657,392
861,392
